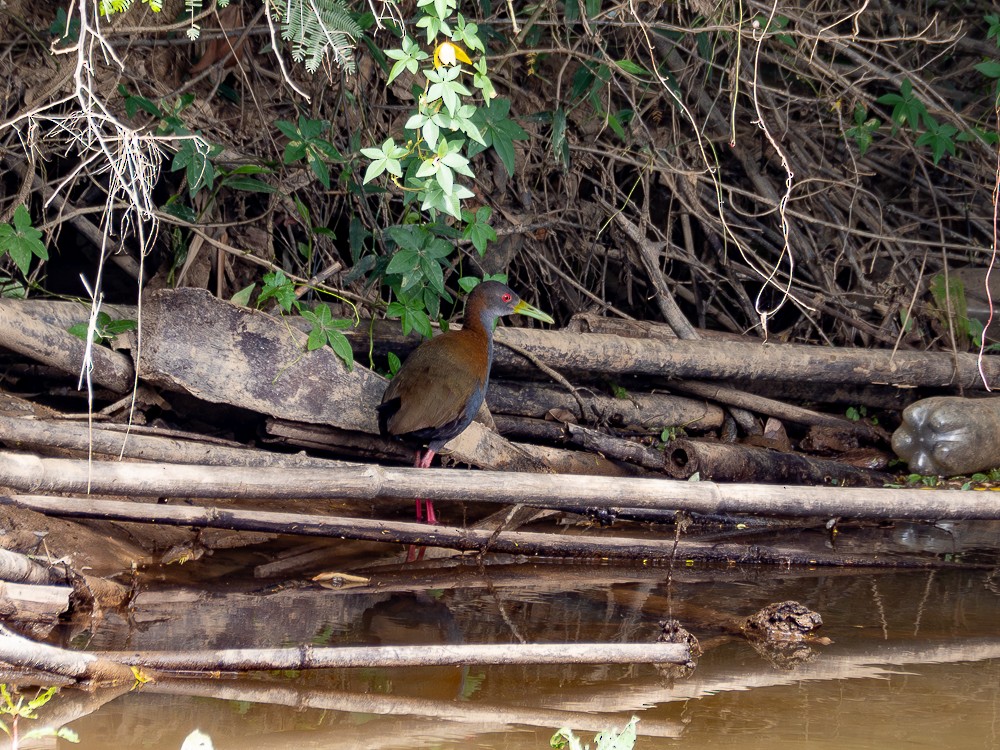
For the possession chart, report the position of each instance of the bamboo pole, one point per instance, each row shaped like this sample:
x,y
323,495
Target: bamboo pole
x,y
31,474
603,546
449,655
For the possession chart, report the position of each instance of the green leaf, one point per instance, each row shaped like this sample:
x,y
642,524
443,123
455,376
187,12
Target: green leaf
x,y
80,331
990,68
498,131
630,67
22,241
281,288
394,363
248,184
403,261
242,297
560,147
477,228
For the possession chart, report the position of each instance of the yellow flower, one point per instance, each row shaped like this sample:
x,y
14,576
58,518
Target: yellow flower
x,y
448,53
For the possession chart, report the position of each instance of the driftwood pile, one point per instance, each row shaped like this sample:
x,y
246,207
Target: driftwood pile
x,y
230,371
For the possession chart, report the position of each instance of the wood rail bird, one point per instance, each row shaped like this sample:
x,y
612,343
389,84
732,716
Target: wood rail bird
x,y
441,385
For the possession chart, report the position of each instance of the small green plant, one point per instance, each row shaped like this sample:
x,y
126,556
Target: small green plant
x,y
778,24
907,109
105,328
669,434
618,391
927,480
856,413
22,241
325,328
65,30
17,709
609,739
939,136
952,310
864,129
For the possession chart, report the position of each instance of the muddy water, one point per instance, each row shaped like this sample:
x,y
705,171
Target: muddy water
x,y
914,660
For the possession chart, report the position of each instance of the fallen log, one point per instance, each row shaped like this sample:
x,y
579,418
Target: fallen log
x,y
721,462
187,333
114,440
382,657
644,411
602,354
31,474
117,666
28,335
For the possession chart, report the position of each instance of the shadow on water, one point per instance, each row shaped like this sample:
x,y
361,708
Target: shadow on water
x,y
913,658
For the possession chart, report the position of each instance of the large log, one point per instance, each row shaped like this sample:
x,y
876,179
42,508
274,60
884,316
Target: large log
x,y
749,360
223,353
736,360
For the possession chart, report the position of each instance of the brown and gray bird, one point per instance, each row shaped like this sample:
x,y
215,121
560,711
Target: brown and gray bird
x,y
441,385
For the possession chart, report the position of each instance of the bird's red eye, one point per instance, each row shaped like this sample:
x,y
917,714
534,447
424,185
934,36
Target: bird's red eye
x,y
507,297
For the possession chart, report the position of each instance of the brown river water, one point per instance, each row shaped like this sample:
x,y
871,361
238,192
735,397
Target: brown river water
x,y
913,658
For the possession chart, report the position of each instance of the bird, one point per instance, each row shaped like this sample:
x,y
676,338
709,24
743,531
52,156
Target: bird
x,y
437,392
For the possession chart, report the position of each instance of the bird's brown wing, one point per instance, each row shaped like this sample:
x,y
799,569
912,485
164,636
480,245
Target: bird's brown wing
x,y
436,383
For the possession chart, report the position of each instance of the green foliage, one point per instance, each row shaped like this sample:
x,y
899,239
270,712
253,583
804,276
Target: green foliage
x,y
394,364
778,24
195,157
455,118
242,297
11,288
609,739
953,310
22,241
618,391
412,312
477,228
325,328
560,146
110,7
65,30
991,69
993,32
856,413
419,259
305,141
242,178
498,131
864,129
468,283
17,709
906,108
317,29
280,288
940,137
105,328
195,154
993,475
669,434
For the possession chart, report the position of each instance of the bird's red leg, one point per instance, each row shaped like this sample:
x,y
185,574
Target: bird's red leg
x,y
423,461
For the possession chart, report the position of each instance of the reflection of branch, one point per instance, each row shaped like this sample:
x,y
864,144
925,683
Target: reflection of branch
x,y
864,663
466,716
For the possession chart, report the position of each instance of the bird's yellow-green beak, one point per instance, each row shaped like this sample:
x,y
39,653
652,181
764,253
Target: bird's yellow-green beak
x,y
523,308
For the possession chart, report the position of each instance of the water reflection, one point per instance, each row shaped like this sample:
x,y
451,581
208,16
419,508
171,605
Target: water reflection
x,y
914,661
